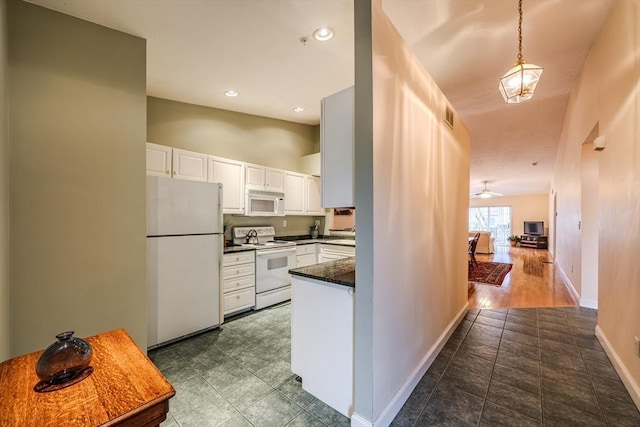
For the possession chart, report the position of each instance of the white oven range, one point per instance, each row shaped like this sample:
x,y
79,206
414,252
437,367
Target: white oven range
x,y
274,259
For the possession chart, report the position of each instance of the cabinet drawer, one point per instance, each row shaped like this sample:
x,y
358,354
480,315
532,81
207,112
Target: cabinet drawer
x,y
234,284
238,271
237,258
305,249
239,300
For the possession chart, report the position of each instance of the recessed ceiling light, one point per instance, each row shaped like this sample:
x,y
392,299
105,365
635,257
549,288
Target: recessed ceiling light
x,y
298,109
232,93
323,34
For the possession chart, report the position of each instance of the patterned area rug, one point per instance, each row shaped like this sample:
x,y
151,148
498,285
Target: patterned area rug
x,y
489,273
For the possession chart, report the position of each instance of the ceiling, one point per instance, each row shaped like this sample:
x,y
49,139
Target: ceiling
x,y
197,49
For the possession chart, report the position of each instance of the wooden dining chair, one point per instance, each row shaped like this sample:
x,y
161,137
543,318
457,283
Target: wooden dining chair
x,y
472,251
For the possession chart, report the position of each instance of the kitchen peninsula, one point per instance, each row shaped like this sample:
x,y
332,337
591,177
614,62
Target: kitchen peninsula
x,y
322,331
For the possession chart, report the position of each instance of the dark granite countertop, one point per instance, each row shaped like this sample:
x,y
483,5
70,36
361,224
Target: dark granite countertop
x,y
299,240
307,240
236,248
342,272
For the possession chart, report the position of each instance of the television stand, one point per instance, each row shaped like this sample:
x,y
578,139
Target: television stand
x,y
537,242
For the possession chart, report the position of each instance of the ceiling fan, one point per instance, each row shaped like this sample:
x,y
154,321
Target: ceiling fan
x,y
486,193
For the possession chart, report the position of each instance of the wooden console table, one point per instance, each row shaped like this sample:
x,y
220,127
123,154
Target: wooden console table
x,y
125,389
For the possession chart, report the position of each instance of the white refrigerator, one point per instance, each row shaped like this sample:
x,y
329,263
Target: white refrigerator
x,y
184,254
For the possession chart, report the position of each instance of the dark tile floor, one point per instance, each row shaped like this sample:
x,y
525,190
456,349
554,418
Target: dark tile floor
x,y
511,367
240,375
521,367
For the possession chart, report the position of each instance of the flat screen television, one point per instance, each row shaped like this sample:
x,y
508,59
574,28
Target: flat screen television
x,y
534,228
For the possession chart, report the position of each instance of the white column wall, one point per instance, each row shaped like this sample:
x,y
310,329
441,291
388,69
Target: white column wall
x,y
418,217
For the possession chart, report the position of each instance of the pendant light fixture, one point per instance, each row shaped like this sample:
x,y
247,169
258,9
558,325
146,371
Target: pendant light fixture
x,y
519,83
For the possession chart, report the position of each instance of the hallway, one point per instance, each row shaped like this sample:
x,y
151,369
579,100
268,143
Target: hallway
x,y
521,367
532,282
524,355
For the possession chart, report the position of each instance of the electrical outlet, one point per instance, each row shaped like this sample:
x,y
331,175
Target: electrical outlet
x,y
284,222
317,222
637,346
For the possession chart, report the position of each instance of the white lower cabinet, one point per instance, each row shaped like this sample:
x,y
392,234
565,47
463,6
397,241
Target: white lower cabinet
x,y
306,255
330,252
306,259
322,340
239,281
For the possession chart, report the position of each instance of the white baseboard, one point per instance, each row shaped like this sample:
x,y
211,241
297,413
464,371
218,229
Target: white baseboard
x,y
395,404
568,283
358,421
589,303
632,387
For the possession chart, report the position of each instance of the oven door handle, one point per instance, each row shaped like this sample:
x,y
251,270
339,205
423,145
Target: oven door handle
x,y
275,251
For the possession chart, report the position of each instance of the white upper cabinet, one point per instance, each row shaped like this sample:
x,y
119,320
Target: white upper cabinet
x,y
264,178
302,194
189,165
337,150
230,174
254,176
313,201
274,179
294,193
158,159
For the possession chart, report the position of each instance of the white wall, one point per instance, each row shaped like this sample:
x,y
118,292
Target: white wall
x,y
253,139
4,189
419,172
607,93
77,99
588,264
533,207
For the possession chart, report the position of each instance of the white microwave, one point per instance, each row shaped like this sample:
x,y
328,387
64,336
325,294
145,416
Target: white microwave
x,y
264,203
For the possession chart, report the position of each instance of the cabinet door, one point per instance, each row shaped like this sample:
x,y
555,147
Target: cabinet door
x,y
313,202
337,150
254,176
274,179
306,259
158,159
294,199
189,165
230,174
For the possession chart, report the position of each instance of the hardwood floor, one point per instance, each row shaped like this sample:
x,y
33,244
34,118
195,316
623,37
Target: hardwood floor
x,y
532,282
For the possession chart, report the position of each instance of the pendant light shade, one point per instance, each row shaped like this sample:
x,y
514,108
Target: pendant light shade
x,y
519,83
